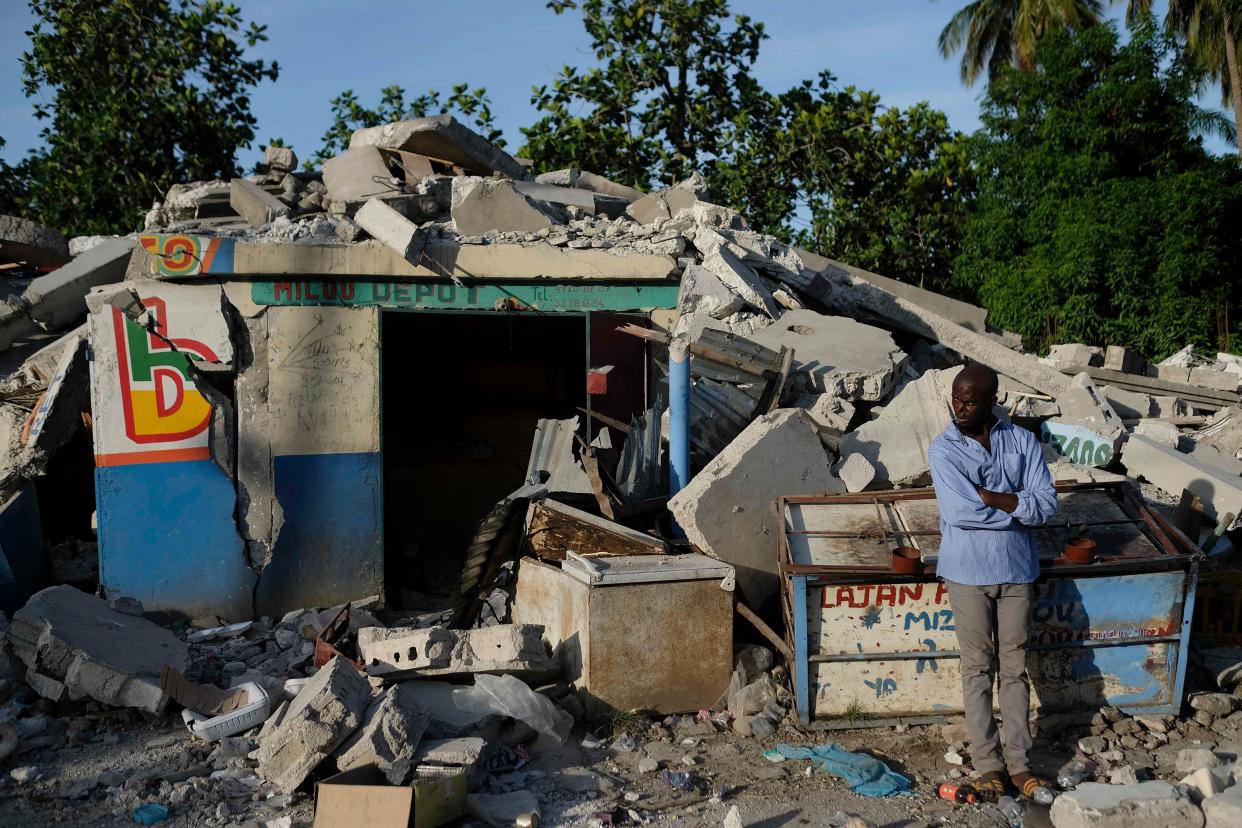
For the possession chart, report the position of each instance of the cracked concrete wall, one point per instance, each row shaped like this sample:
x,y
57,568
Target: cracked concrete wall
x,y
163,446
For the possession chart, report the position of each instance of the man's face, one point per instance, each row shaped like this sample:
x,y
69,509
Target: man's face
x,y
971,404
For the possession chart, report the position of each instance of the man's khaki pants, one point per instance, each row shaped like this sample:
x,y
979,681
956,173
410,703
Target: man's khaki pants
x,y
994,621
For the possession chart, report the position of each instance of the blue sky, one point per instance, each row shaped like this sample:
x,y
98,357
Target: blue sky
x,y
326,46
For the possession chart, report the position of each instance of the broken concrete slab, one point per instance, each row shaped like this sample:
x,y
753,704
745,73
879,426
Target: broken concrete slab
x,y
836,355
254,204
1145,805
515,649
1088,431
668,203
1119,358
1172,471
388,737
1129,405
393,229
702,291
852,293
725,260
57,300
23,240
73,643
483,204
322,715
358,173
445,139
1166,434
896,442
726,508
828,411
1224,810
562,196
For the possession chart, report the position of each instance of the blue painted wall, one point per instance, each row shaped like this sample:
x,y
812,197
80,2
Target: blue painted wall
x,y
167,538
331,548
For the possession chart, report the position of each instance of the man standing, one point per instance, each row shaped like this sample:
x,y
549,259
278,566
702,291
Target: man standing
x,y
992,485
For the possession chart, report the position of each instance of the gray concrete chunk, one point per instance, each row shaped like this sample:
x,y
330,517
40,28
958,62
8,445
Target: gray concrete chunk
x,y
258,207
69,639
393,229
358,173
389,736
443,138
1173,471
321,716
1145,805
505,648
726,510
23,240
836,355
1224,810
482,204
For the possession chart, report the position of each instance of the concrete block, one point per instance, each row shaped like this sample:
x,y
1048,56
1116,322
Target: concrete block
x,y
896,442
702,291
1212,378
1190,760
1168,406
393,229
1119,358
670,202
322,715
23,240
1088,431
856,473
726,510
837,355
1225,810
1173,373
1145,805
827,410
280,159
1173,471
76,642
356,174
1203,784
1129,404
441,137
563,196
258,207
389,736
1166,434
1077,355
504,648
483,204
725,260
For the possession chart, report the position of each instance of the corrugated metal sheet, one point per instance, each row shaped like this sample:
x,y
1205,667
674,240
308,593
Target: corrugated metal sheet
x,y
552,451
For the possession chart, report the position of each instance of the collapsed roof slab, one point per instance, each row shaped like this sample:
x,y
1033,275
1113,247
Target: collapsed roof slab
x,y
443,138
855,294
22,240
439,260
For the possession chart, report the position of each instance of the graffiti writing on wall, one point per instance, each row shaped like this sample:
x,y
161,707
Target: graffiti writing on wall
x,y
1077,443
883,595
160,400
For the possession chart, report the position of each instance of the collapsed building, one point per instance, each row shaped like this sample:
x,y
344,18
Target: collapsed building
x,y
392,378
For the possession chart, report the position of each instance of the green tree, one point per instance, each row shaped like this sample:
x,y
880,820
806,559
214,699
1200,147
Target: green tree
x,y
1100,217
143,93
992,34
1212,31
883,188
672,75
348,114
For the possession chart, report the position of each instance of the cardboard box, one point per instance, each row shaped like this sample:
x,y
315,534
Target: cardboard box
x,y
361,797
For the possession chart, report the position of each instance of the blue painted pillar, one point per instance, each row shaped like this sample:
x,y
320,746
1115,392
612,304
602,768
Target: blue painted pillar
x,y
678,414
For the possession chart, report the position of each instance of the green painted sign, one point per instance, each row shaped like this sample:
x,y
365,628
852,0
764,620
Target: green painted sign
x,y
557,297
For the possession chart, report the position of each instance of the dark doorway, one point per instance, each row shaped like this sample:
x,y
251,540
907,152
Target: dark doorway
x,y
461,397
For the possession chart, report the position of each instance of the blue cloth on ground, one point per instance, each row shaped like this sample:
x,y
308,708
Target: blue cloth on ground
x,y
864,774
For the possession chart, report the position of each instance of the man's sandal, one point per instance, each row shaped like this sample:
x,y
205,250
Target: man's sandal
x,y
1032,786
990,785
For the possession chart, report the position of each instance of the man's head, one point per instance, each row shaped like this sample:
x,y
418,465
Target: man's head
x,y
974,394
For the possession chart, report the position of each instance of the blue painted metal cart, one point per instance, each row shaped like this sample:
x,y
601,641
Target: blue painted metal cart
x,y
870,645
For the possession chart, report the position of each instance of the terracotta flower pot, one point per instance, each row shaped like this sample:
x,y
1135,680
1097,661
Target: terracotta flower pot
x,y
1080,550
907,560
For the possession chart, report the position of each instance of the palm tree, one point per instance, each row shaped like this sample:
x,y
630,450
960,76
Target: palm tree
x,y
1211,30
995,33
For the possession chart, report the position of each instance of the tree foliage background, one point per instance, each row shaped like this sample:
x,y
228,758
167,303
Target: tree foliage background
x,y
144,93
1101,218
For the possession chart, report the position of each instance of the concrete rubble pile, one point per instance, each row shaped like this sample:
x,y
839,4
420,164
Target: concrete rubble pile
x,y
807,377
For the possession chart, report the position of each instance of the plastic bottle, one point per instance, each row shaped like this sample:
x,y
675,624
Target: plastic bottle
x,y
957,793
1074,771
1013,811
